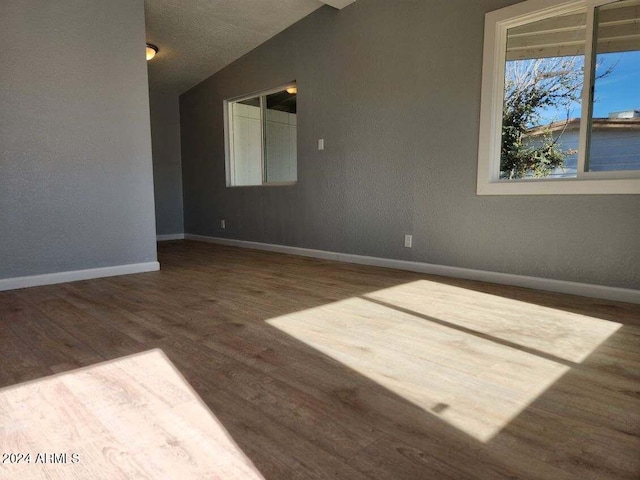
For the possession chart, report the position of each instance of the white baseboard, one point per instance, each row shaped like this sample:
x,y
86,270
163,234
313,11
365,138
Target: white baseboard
x,y
172,236
75,275
537,283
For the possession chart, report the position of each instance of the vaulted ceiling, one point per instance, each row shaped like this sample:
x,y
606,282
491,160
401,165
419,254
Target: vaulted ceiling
x,y
196,38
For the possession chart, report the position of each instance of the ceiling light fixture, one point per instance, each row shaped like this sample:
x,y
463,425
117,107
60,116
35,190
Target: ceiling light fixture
x,y
292,90
151,51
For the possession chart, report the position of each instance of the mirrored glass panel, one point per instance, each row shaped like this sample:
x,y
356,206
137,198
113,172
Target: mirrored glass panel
x,y
245,123
281,134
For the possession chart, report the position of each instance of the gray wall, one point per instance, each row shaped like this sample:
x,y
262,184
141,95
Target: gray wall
x,y
167,168
76,182
394,88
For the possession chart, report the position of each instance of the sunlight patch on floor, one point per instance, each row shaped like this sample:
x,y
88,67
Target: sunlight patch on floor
x,y
565,335
133,417
445,358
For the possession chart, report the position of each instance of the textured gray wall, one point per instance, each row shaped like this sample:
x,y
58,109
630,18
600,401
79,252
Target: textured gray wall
x,y
76,181
394,88
167,168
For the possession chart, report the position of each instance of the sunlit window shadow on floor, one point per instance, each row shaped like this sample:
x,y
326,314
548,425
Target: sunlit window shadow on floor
x,y
134,417
473,359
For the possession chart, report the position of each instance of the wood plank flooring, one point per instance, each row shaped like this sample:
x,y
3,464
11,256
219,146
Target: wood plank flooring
x,y
323,370
135,417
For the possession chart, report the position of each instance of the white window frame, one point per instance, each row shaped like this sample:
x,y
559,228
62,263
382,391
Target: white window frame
x,y
228,137
497,24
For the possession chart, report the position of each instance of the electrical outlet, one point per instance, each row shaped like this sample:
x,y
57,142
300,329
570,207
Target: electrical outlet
x,y
223,224
321,144
408,241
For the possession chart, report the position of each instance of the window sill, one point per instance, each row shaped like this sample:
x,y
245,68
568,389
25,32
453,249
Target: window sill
x,y
564,186
273,184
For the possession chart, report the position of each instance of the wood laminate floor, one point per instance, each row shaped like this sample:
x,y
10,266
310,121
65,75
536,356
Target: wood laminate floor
x,y
323,370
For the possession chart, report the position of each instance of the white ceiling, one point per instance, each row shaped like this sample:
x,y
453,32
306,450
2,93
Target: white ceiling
x,y
196,38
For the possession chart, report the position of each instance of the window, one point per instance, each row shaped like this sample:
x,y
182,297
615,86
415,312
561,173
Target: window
x,y
560,99
261,138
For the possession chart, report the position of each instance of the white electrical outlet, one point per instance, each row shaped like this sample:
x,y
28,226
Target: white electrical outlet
x,y
223,224
321,144
408,241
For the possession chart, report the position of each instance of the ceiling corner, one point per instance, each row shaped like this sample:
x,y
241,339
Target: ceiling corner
x,y
339,4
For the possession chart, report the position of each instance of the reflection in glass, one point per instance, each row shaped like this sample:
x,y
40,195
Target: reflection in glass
x,y
246,141
281,133
541,111
615,120
263,138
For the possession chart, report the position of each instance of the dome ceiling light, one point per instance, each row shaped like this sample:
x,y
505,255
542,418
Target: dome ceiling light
x,y
151,51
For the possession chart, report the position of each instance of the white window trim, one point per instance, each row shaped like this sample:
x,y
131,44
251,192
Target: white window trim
x,y
228,137
496,25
